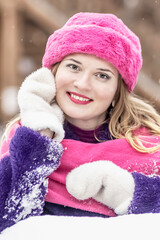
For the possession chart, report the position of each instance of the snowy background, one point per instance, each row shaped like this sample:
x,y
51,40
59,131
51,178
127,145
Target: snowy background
x,y
1,130
25,26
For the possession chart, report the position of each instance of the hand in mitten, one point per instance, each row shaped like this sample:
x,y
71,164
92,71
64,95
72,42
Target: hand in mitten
x,y
38,111
103,181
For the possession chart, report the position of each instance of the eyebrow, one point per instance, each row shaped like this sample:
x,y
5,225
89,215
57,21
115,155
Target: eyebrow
x,y
74,60
105,70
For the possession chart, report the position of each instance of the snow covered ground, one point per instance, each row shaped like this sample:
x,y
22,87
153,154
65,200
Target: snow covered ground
x,y
139,227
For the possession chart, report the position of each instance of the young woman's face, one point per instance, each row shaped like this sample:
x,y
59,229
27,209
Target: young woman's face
x,y
86,86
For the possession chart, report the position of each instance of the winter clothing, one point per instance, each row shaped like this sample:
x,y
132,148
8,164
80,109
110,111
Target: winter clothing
x,y
118,151
72,132
102,35
121,154
63,210
103,181
121,175
146,197
98,135
35,109
23,183
27,159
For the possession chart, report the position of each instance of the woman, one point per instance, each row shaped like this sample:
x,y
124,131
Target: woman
x,y
82,96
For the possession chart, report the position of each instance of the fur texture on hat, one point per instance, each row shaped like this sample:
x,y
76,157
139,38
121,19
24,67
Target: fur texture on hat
x,y
102,35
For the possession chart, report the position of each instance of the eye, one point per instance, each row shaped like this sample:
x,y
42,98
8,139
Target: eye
x,y
103,76
73,67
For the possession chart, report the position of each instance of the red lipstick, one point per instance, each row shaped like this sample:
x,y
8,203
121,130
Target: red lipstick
x,y
78,98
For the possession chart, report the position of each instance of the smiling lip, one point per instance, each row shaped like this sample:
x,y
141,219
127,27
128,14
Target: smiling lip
x,y
78,98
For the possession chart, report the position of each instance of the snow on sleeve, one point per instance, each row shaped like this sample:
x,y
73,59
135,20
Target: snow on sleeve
x,y
146,198
27,198
33,157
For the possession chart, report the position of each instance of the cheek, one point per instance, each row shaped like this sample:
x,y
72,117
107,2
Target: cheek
x,y
61,86
61,81
106,94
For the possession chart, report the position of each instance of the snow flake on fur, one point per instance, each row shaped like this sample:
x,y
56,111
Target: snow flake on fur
x,y
27,198
32,159
146,195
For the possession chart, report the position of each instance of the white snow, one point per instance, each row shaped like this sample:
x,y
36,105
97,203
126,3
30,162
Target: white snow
x,y
139,227
27,197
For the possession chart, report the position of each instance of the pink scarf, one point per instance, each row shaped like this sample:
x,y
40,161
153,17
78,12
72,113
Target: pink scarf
x,y
76,153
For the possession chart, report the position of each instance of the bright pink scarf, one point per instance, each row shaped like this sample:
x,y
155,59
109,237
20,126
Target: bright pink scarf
x,y
76,153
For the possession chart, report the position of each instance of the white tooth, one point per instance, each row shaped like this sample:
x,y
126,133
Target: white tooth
x,y
79,98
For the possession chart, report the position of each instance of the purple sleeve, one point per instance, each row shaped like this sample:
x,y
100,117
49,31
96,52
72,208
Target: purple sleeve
x,y
5,182
146,197
23,175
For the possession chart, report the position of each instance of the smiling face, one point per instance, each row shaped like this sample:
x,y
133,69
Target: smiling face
x,y
86,86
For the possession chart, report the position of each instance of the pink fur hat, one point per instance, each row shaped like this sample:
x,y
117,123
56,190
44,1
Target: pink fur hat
x,y
102,35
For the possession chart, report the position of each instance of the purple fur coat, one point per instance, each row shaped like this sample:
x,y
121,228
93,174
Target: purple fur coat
x,y
23,179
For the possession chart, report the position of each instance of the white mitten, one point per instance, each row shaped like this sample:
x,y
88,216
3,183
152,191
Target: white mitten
x,y
38,111
105,182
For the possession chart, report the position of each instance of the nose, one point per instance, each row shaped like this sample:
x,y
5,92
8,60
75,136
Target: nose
x,y
83,82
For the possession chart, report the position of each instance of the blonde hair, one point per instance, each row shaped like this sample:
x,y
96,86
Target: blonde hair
x,y
129,114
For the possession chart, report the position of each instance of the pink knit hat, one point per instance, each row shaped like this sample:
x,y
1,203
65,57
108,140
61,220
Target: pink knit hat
x,y
102,35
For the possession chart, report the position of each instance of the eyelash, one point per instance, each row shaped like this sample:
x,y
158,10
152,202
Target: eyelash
x,y
103,76
73,67
76,68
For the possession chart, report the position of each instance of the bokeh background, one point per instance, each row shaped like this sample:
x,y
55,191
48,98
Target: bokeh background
x,y
26,24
